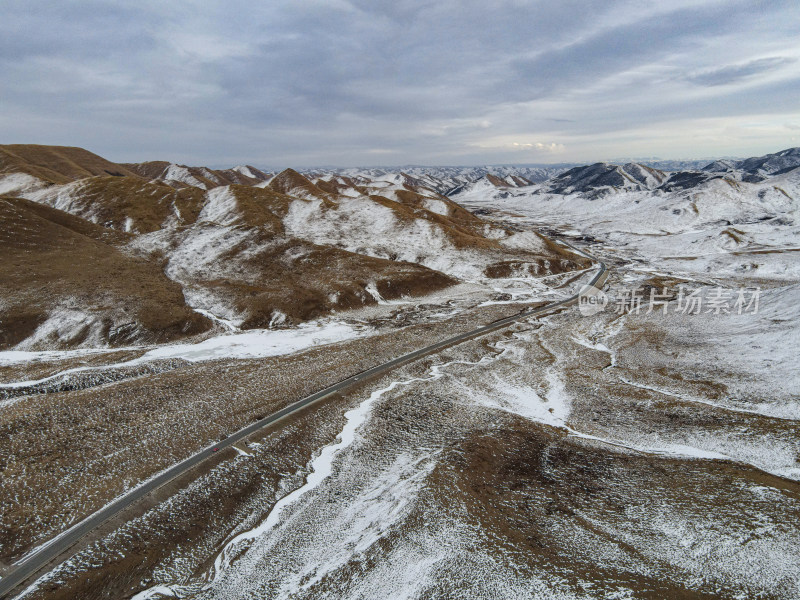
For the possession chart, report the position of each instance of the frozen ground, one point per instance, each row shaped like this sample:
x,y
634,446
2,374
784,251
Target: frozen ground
x,y
546,463
649,454
230,343
259,343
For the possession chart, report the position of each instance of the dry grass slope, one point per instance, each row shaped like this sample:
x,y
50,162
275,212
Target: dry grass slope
x,y
56,263
269,271
57,164
130,203
292,183
167,229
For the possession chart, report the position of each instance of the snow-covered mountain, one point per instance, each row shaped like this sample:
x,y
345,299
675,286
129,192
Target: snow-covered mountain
x,y
239,245
259,249
201,177
449,180
602,178
760,167
731,217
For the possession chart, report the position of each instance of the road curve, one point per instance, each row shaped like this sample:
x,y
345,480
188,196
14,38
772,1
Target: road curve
x,y
23,570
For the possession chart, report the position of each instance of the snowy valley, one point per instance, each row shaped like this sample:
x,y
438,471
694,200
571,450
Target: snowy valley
x,y
646,449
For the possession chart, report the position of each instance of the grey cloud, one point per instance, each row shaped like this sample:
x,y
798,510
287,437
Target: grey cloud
x,y
733,73
628,45
205,81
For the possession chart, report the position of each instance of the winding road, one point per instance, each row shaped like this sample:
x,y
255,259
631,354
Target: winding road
x,y
34,563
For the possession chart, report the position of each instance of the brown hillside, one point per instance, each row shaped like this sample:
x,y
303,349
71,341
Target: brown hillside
x,y
521,181
461,236
456,213
57,265
304,281
123,203
128,203
233,176
496,181
152,169
254,204
57,164
210,178
338,185
292,183
267,271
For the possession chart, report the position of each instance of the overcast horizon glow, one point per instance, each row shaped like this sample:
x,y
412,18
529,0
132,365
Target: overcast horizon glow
x,y
352,83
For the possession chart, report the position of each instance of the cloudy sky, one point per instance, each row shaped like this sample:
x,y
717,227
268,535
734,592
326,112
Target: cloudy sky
x,y
374,82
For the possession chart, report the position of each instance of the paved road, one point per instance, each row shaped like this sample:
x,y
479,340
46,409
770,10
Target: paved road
x,y
32,564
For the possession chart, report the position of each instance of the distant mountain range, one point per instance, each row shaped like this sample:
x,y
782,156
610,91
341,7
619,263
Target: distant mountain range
x,y
101,253
98,253
598,178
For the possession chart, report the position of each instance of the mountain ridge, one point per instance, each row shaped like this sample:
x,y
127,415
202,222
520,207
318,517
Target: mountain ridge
x,y
272,251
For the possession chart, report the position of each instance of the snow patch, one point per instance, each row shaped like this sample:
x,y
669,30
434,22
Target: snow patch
x,y
437,206
365,526
257,343
219,207
278,319
372,290
244,171
183,175
363,226
13,183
